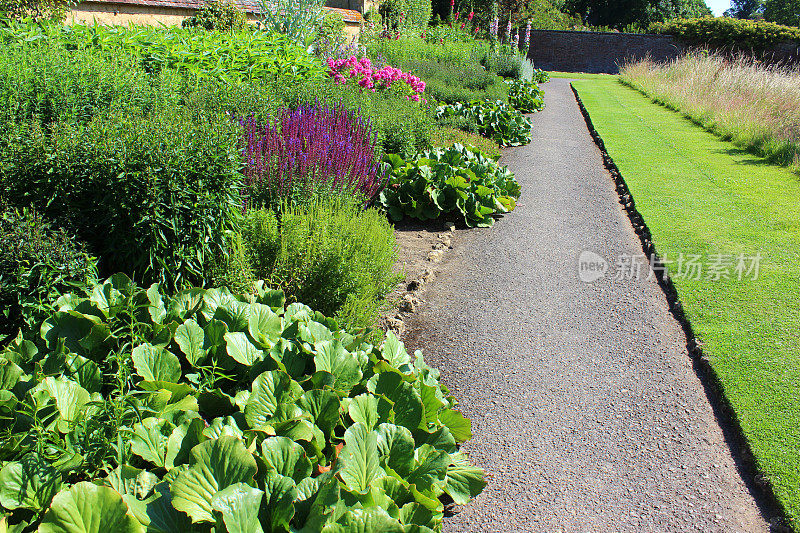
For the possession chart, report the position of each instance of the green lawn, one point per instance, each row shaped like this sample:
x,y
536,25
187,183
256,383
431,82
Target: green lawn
x,y
701,195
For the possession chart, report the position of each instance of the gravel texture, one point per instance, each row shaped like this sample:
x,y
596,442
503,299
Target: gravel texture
x,y
587,414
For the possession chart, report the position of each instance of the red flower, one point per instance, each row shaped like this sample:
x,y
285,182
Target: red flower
x,y
462,25
477,28
456,15
471,14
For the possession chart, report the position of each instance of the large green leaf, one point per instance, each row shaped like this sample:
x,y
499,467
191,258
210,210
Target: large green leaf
x,y
241,349
69,396
459,426
430,467
156,364
149,438
278,507
84,371
191,340
216,464
332,357
363,409
89,508
406,401
270,389
359,461
131,481
371,520
395,353
265,326
323,405
396,446
29,483
463,481
182,440
286,457
239,504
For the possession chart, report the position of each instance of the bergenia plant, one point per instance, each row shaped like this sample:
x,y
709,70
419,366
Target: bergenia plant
x,y
387,78
307,152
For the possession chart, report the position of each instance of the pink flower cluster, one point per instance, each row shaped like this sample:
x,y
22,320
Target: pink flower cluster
x,y
367,77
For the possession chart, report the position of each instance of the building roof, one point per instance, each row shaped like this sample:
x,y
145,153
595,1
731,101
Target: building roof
x,y
248,6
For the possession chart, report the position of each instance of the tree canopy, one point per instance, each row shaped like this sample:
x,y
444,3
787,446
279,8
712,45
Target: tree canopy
x,y
641,13
782,12
745,9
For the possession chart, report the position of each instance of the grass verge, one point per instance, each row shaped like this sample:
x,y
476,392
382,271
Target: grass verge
x,y
700,195
581,75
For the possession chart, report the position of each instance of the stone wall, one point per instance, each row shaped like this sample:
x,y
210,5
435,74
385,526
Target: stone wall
x,y
597,52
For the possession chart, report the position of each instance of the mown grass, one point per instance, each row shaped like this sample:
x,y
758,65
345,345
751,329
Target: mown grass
x,y
701,195
757,106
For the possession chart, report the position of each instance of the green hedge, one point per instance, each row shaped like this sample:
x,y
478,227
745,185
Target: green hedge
x,y
729,33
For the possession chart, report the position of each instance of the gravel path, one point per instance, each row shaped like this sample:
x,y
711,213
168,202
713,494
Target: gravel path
x,y
586,411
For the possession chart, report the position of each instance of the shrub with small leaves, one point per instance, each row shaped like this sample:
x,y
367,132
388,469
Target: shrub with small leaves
x,y
220,15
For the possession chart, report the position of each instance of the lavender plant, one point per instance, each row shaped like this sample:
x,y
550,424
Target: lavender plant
x,y
309,152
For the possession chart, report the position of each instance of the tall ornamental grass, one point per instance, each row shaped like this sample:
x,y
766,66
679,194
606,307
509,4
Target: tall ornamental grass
x,y
752,104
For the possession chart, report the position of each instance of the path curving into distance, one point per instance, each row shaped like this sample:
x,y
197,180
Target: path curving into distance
x,y
586,412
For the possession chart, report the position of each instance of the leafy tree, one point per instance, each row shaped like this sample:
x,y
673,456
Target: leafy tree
x,y
785,12
639,13
36,9
745,9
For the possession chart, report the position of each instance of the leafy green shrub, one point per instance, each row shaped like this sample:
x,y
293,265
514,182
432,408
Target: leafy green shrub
x,y
232,57
151,196
525,96
221,15
507,61
496,120
405,14
450,82
330,35
454,179
729,33
47,81
540,76
333,254
37,264
208,411
445,137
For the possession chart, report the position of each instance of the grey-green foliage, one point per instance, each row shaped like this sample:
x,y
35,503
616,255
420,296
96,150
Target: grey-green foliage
x,y
334,255
297,19
207,411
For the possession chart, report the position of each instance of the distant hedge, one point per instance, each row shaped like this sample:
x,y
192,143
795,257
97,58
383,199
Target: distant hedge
x,y
729,33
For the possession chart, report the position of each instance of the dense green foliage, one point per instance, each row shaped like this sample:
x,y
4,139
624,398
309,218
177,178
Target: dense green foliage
x,y
405,14
206,411
540,76
782,12
745,9
334,255
729,33
454,179
619,14
152,196
223,56
496,120
330,35
525,96
37,264
36,9
298,20
220,15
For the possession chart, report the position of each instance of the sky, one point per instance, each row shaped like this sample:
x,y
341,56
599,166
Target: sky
x,y
718,6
